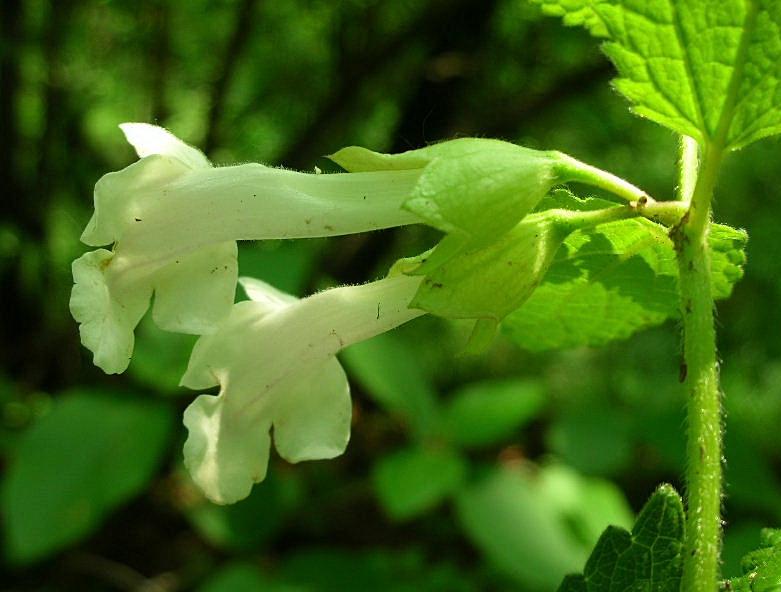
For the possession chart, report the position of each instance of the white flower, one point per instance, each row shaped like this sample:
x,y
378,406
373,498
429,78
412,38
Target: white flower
x,y
274,361
173,220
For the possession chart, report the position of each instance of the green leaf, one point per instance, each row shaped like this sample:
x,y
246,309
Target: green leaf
x,y
250,523
487,413
648,558
575,13
414,480
593,439
537,526
284,264
610,281
708,69
237,577
90,454
474,188
761,568
160,357
387,367
573,583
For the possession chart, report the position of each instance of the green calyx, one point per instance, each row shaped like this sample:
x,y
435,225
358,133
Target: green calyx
x,y
473,188
487,283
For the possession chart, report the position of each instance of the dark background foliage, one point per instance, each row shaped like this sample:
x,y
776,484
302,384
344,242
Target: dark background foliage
x,y
495,472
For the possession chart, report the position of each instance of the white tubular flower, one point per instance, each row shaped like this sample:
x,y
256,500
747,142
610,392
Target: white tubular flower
x,y
173,220
274,361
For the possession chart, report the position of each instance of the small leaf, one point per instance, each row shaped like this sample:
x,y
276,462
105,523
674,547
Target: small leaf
x,y
761,568
90,454
573,583
488,413
415,480
648,558
608,282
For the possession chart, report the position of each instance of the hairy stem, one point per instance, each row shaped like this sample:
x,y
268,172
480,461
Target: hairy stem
x,y
571,169
668,213
689,163
704,446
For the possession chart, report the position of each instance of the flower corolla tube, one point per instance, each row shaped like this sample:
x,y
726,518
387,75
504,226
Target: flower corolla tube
x,y
274,361
173,220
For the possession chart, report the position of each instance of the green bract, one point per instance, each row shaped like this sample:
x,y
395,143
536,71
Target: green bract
x,y
174,220
273,359
488,283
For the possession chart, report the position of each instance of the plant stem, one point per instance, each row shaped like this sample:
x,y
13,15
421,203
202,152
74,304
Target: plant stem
x,y
689,163
704,446
668,213
571,169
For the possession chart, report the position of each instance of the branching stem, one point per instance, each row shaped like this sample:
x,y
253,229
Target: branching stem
x,y
704,445
571,169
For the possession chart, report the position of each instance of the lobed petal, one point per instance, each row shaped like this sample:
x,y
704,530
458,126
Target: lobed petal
x,y
195,292
122,197
226,452
312,419
107,317
274,360
151,139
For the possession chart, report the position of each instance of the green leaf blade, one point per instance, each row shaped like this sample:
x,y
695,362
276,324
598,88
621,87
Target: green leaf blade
x,y
87,456
414,480
486,413
708,69
611,281
648,558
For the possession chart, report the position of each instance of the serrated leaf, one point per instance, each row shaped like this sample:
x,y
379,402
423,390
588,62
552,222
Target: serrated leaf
x,y
488,412
761,568
91,453
648,558
575,13
414,480
708,69
608,282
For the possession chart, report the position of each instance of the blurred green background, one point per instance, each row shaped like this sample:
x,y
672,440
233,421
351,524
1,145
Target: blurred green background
x,y
495,472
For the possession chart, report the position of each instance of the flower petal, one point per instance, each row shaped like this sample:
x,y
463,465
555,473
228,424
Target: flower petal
x,y
107,317
121,197
226,453
312,419
195,292
214,353
260,291
151,139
